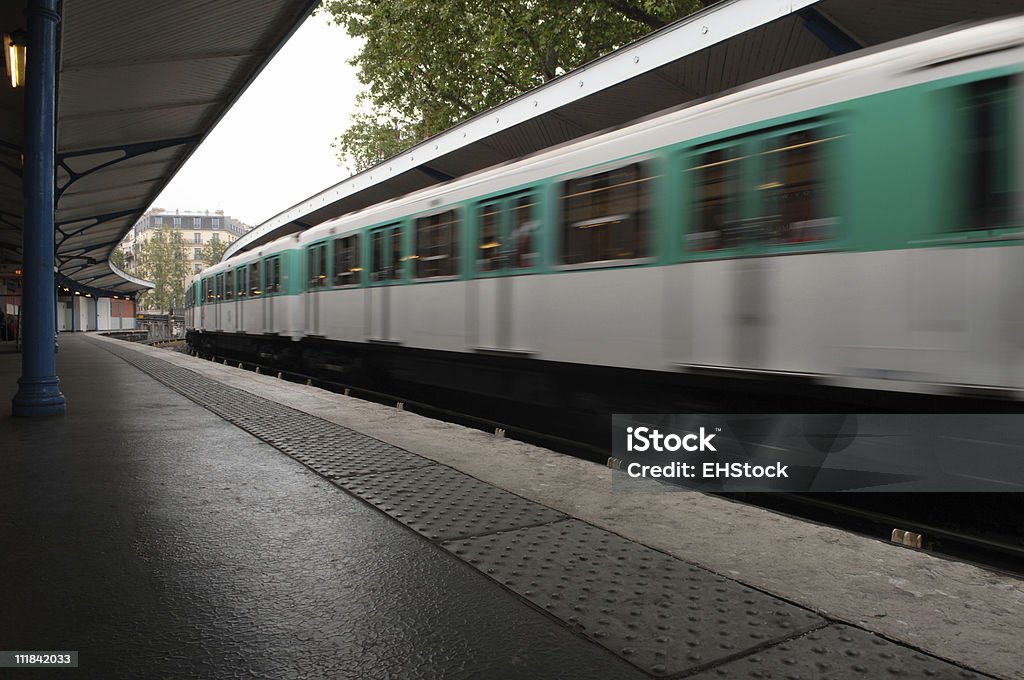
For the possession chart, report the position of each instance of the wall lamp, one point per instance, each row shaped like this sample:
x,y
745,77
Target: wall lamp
x,y
15,47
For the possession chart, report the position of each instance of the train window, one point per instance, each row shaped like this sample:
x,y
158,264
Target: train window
x,y
716,198
242,276
273,267
605,216
317,258
346,261
254,279
379,271
385,253
219,283
794,187
506,234
488,255
524,226
437,245
987,153
229,285
396,254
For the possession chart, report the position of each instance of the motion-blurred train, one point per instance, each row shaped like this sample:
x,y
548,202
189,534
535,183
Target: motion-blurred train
x,y
858,225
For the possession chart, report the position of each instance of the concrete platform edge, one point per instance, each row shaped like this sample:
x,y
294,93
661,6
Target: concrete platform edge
x,y
957,612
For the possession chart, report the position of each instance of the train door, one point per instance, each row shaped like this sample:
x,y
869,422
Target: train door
x,y
256,295
203,303
242,279
316,283
506,249
722,284
272,272
218,299
386,270
229,300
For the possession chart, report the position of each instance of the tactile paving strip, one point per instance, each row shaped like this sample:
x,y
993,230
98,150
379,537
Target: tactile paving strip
x,y
665,616
442,503
658,612
326,447
837,653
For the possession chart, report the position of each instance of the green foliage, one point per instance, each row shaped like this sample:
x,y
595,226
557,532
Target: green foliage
x,y
371,138
117,257
429,64
212,251
162,261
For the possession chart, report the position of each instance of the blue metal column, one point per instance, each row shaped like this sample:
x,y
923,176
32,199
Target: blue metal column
x,y
38,388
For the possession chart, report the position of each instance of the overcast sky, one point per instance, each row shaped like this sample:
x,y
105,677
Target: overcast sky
x,y
273,148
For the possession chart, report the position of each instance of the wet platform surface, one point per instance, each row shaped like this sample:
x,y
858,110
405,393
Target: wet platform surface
x,y
152,534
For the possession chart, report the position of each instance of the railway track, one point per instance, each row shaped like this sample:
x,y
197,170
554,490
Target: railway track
x,y
1001,550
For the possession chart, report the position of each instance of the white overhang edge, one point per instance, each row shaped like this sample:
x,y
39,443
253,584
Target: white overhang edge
x,y
687,36
141,283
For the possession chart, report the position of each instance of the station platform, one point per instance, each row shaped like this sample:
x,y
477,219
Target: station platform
x,y
189,519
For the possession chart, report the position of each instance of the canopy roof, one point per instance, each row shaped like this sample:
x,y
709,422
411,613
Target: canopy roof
x,y
722,47
140,85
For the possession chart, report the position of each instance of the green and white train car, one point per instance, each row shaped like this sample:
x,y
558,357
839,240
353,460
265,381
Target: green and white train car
x,y
858,224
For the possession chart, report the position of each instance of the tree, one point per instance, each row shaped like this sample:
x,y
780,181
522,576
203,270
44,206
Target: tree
x,y
429,64
212,251
117,257
162,261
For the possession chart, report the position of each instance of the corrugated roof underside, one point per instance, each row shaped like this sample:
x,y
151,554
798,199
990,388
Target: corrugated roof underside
x,y
151,79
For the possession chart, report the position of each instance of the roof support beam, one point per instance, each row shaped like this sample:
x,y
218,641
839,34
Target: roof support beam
x,y
229,54
141,109
825,30
434,173
128,151
93,221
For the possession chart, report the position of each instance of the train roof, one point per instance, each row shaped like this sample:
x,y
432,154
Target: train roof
x,y
936,56
726,45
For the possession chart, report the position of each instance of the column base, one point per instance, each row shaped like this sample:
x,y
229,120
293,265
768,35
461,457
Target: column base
x,y
39,397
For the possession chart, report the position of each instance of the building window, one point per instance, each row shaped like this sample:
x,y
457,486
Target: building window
x,y
215,221
215,237
177,221
605,216
346,261
197,253
197,222
437,245
198,268
197,238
